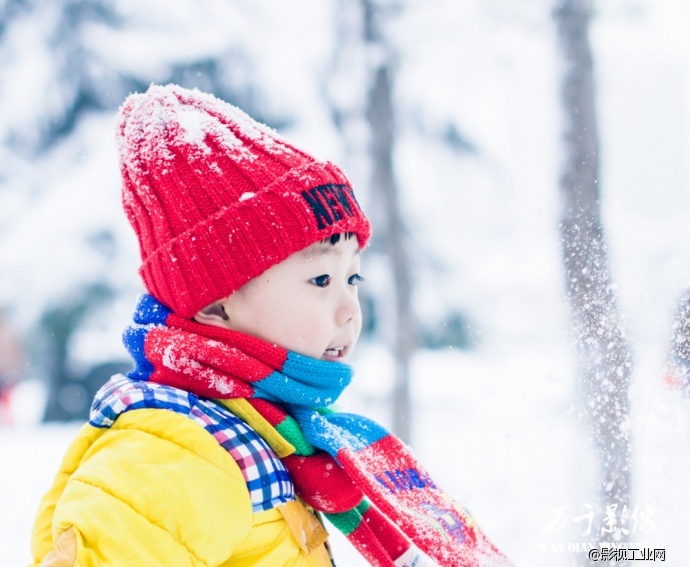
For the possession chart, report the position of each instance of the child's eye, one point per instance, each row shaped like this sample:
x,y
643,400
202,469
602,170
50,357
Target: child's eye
x,y
321,281
354,279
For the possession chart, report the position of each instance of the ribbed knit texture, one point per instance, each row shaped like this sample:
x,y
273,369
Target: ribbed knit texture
x,y
367,482
216,198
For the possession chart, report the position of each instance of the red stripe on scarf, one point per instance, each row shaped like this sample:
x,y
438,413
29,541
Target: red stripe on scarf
x,y
393,541
407,495
371,547
271,412
337,493
270,354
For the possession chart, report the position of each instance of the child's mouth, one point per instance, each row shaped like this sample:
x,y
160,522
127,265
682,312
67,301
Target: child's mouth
x,y
337,352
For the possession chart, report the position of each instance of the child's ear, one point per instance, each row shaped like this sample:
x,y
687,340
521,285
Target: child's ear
x,y
214,315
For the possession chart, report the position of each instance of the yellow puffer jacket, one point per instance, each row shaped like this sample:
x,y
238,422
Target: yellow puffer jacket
x,y
155,489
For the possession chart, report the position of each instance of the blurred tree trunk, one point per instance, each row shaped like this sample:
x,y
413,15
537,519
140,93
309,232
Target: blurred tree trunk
x,y
604,360
380,115
677,370
67,396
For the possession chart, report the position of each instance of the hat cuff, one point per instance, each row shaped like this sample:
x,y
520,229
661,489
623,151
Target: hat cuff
x,y
223,252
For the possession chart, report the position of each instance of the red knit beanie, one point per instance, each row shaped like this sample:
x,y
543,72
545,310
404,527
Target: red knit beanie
x,y
216,198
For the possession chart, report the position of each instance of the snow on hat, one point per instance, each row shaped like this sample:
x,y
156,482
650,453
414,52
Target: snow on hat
x,y
216,198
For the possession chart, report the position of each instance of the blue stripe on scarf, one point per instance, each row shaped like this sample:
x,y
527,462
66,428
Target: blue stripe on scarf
x,y
134,339
148,314
305,381
367,431
335,431
150,311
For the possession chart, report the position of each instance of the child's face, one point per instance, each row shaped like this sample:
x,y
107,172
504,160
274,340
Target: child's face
x,y
307,304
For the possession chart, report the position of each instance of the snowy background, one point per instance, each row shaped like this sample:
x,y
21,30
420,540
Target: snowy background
x,y
495,423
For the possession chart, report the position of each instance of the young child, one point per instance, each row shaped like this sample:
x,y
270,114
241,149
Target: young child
x,y
221,448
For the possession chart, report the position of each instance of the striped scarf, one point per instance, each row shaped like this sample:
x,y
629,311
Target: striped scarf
x,y
366,482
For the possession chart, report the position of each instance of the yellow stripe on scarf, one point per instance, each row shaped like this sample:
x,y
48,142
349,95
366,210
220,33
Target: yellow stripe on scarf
x,y
244,410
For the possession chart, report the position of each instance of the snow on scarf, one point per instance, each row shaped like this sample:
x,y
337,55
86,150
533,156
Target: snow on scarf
x,y
364,479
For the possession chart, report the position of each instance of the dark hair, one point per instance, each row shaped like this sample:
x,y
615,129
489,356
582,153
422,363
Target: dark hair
x,y
335,238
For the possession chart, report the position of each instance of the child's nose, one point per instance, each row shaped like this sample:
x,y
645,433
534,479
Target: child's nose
x,y
348,308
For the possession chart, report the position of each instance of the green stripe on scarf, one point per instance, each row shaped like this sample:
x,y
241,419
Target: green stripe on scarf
x,y
292,432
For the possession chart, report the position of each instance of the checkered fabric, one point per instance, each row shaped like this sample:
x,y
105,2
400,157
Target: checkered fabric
x,y
268,481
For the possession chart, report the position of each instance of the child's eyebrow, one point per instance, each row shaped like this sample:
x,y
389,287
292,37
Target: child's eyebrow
x,y
312,252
